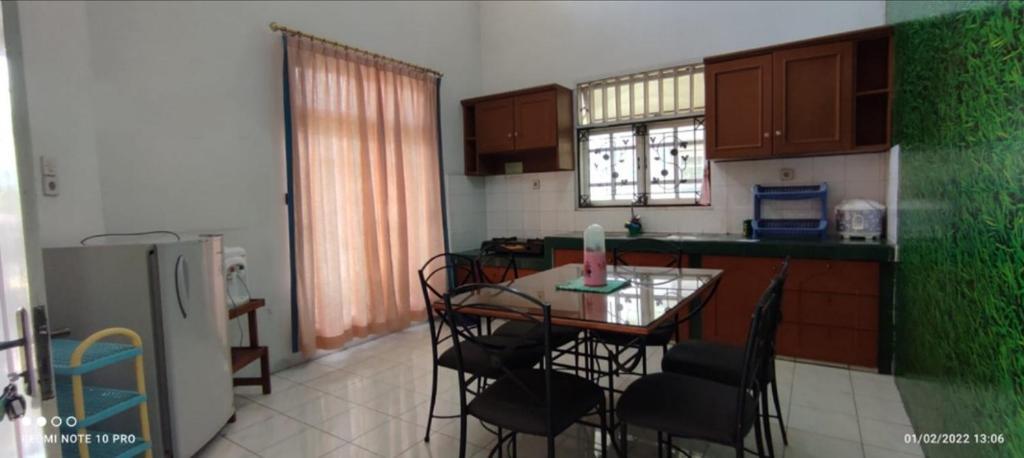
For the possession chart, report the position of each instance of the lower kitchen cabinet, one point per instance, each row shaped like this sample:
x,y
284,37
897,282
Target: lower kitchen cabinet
x,y
830,308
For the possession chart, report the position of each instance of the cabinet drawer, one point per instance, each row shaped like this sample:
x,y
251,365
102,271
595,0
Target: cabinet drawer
x,y
651,259
845,277
838,310
563,257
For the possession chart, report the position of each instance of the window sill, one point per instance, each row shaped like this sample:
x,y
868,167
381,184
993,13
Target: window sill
x,y
645,207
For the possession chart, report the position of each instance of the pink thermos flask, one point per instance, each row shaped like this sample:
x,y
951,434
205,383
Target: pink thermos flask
x,y
595,264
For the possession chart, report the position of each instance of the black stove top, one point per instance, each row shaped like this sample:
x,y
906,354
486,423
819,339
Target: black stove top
x,y
513,246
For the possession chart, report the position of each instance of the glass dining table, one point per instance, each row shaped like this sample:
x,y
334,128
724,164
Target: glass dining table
x,y
652,296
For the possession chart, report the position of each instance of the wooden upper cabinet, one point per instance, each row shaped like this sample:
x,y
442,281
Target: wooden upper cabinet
x,y
828,95
536,121
529,130
495,125
813,98
739,107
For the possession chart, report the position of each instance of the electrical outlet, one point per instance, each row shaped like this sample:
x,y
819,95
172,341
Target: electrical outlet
x,y
50,186
536,184
787,174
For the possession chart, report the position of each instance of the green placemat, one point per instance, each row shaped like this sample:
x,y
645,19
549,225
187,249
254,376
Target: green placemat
x,y
577,285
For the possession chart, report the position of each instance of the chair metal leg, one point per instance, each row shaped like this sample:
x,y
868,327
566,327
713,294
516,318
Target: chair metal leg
x,y
659,440
462,435
668,445
551,446
758,438
767,420
611,388
501,443
604,428
433,400
778,410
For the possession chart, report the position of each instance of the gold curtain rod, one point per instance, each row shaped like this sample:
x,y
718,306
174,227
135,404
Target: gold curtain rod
x,y
280,28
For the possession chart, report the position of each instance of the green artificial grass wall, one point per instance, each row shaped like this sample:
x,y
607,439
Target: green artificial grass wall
x,y
959,120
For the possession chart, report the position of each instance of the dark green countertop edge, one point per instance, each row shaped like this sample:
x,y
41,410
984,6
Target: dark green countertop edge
x,y
731,245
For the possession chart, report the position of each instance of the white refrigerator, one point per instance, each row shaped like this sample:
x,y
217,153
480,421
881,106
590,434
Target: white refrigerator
x,y
172,294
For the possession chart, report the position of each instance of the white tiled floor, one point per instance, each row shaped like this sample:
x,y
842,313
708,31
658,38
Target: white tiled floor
x,y
371,401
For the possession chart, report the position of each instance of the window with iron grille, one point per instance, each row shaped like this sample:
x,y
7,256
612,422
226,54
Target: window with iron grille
x,y
641,139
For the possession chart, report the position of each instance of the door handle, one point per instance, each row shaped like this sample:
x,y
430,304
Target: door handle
x,y
181,274
38,340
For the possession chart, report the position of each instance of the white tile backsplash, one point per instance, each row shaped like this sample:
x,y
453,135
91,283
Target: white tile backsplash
x,y
514,208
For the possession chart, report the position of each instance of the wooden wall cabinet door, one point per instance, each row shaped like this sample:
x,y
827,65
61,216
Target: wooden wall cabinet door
x,y
739,108
813,99
495,125
536,121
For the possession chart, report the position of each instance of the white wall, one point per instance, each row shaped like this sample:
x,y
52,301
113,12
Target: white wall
x,y
58,88
531,43
514,208
180,104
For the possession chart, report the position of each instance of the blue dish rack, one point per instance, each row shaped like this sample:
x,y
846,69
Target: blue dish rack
x,y
790,228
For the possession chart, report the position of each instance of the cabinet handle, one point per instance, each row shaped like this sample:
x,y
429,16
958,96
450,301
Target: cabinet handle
x,y
778,133
510,135
766,135
515,134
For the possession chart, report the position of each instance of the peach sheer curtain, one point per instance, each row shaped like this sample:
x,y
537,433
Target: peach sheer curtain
x,y
366,193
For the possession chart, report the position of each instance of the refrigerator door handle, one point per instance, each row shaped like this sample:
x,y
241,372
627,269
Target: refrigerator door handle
x,y
181,275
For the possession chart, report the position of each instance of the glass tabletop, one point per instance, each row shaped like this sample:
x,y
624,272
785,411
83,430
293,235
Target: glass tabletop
x,y
652,292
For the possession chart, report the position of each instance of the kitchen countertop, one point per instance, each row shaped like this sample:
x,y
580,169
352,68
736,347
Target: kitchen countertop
x,y
736,245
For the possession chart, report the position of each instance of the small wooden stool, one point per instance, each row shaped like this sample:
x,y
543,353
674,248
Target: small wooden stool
x,y
243,356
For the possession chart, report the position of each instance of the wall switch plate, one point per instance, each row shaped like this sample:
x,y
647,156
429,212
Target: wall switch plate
x,y
536,184
50,186
787,174
48,166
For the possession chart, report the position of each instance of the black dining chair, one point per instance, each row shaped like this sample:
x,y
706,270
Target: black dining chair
x,y
457,270
619,344
723,363
683,406
561,336
521,400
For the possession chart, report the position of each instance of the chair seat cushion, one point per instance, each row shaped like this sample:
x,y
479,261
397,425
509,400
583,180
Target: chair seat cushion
x,y
484,362
517,402
686,407
706,360
560,335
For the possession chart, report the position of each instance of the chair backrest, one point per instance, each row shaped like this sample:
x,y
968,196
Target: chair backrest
x,y
510,265
774,312
643,245
759,350
498,349
700,302
458,269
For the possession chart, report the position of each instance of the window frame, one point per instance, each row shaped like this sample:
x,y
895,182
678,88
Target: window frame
x,y
643,182
634,122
